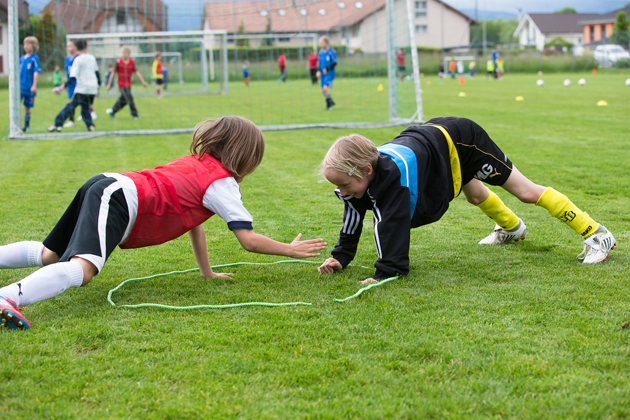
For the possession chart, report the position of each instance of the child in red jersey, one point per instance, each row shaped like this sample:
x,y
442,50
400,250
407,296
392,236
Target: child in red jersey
x,y
312,62
282,65
139,209
125,68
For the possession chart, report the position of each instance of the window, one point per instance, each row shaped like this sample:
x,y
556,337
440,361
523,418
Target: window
x,y
603,31
1,35
421,9
592,33
421,29
120,18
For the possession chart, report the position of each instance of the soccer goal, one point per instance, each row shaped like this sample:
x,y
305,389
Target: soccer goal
x,y
260,60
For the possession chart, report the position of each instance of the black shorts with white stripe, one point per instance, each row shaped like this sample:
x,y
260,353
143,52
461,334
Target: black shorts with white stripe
x,y
93,224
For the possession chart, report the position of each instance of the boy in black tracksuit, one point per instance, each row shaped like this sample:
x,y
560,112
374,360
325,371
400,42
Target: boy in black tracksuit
x,y
410,181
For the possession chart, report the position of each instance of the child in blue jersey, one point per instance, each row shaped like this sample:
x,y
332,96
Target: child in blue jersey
x,y
326,73
246,72
29,73
71,49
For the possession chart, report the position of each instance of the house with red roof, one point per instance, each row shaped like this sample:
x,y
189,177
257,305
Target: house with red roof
x,y
356,24
111,16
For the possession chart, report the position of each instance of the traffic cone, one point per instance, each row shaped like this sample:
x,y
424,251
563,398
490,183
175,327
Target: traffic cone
x,y
594,72
461,79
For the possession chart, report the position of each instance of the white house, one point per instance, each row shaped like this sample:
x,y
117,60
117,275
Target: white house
x,y
537,29
4,31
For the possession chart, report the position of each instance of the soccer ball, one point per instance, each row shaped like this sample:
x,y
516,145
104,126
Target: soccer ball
x,y
57,90
582,82
627,82
567,82
540,82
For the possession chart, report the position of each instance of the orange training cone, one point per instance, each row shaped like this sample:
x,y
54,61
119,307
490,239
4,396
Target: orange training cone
x,y
461,79
594,72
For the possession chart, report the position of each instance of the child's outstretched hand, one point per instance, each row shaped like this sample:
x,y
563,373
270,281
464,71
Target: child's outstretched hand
x,y
330,266
212,274
306,249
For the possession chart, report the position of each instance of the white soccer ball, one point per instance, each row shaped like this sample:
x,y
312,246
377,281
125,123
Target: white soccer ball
x,y
627,82
57,90
582,82
567,82
540,82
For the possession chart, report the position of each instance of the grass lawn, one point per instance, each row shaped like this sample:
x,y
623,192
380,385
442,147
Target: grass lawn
x,y
519,331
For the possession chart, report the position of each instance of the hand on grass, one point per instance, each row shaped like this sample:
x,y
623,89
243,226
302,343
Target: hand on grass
x,y
221,275
306,249
368,281
330,266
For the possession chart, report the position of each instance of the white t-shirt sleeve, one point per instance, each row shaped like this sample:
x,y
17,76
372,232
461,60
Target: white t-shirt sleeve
x,y
223,197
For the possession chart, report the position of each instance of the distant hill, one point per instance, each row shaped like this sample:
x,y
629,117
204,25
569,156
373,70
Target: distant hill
x,y
490,14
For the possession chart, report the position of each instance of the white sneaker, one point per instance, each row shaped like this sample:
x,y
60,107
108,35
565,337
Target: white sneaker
x,y
597,247
94,116
500,236
110,112
79,118
69,124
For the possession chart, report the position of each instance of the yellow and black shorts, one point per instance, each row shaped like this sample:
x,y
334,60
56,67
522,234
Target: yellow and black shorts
x,y
479,156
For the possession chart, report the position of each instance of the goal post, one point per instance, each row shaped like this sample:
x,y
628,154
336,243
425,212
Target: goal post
x,y
233,67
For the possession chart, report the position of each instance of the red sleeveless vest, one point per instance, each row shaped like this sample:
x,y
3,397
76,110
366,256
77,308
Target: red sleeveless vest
x,y
170,199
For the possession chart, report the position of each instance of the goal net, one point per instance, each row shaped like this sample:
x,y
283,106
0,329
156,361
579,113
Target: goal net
x,y
265,60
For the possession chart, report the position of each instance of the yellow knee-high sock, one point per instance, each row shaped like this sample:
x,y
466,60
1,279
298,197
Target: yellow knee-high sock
x,y
494,208
559,206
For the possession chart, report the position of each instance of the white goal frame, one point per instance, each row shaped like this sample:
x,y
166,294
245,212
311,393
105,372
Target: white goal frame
x,y
209,41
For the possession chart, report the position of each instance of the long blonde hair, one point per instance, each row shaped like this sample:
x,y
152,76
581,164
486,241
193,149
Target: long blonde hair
x,y
350,154
234,141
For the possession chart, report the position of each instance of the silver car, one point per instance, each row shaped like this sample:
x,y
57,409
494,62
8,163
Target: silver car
x,y
607,55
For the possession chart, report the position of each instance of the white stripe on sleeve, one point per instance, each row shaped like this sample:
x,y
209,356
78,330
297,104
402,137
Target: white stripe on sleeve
x,y
223,197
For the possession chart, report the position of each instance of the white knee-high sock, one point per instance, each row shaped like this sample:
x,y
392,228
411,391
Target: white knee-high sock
x,y
21,254
45,283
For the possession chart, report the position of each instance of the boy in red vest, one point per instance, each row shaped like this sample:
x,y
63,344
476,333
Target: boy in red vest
x,y
125,68
282,65
139,209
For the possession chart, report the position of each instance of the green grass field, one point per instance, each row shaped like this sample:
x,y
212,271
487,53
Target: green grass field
x,y
518,331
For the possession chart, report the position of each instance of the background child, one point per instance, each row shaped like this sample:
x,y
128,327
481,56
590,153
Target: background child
x,y
140,209
282,65
410,181
57,77
84,72
326,74
71,49
312,62
471,68
29,74
125,68
157,74
400,61
246,72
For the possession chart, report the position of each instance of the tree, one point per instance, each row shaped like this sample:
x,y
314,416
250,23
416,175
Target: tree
x,y
241,31
268,41
51,40
567,10
497,31
621,33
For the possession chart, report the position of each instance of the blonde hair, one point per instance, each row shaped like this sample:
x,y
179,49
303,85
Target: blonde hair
x,y
125,49
325,39
350,154
234,141
33,41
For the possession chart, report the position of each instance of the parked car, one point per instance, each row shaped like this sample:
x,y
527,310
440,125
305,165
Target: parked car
x,y
609,54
